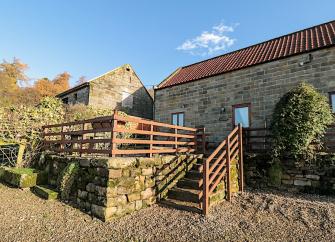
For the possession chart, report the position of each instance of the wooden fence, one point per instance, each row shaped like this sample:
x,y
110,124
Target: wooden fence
x,y
259,140
217,166
121,135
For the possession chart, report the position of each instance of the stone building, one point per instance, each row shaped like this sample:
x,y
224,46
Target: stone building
x,y
243,86
119,89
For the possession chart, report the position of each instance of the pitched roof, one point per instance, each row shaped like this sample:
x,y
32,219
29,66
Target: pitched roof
x,y
87,83
73,89
299,42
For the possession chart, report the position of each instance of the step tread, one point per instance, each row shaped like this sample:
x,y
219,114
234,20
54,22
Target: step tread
x,y
185,190
181,205
189,184
45,192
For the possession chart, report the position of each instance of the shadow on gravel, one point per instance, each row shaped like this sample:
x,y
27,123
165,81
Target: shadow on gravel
x,y
285,194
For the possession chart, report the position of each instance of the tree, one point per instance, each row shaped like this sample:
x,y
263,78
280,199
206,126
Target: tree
x,y
49,88
11,73
61,82
14,89
81,80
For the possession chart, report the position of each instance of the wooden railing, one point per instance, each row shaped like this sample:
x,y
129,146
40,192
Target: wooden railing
x,y
217,166
256,140
259,140
120,135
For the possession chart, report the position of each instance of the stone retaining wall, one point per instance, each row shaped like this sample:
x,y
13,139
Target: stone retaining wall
x,y
112,187
290,176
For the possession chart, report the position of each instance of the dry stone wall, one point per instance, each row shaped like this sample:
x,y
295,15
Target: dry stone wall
x,y
112,187
290,176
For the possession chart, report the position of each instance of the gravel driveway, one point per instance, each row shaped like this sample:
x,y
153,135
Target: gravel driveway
x,y
253,216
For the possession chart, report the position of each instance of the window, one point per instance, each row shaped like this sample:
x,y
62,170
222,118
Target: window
x,y
75,97
241,115
65,100
178,119
332,101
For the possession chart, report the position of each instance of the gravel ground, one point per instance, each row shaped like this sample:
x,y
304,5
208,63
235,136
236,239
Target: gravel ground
x,y
253,216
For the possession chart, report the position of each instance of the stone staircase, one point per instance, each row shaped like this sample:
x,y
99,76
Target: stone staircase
x,y
187,194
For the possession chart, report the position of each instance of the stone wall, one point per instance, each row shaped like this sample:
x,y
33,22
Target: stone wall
x,y
292,176
121,89
77,96
112,187
209,101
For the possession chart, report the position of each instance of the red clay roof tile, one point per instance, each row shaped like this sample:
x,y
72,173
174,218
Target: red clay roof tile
x,y
299,42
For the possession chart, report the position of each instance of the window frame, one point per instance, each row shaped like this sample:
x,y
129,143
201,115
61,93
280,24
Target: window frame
x,y
178,113
241,105
330,94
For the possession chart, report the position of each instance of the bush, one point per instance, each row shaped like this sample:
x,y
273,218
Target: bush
x,y
23,125
81,112
299,122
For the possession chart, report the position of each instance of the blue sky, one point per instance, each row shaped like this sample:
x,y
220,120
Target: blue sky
x,y
89,38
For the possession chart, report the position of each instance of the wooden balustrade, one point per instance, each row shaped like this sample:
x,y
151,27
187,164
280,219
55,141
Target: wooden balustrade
x,y
259,140
217,166
120,135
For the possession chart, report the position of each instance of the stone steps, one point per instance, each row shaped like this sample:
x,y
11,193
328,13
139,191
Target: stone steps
x,y
193,174
45,192
184,194
189,183
181,205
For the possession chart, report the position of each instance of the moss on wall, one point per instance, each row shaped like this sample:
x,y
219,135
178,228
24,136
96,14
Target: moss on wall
x,y
275,173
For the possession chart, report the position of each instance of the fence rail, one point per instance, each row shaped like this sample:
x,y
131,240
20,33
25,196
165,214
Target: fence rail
x,y
121,135
259,140
217,166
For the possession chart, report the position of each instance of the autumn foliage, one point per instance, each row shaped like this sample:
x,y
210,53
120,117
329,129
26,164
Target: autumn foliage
x,y
16,88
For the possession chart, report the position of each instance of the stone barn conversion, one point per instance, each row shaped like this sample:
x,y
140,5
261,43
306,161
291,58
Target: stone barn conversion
x,y
243,86
119,89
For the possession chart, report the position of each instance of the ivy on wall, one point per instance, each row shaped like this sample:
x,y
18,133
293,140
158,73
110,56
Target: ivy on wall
x,y
23,124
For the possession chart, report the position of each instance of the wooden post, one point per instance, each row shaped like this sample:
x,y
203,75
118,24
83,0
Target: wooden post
x,y
151,138
228,169
205,188
203,141
113,134
62,138
82,139
240,140
196,141
176,139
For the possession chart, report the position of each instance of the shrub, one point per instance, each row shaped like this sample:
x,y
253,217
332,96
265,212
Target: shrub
x,y
80,112
299,122
23,125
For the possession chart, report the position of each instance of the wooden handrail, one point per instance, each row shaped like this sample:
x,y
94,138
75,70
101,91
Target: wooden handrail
x,y
213,173
259,140
146,137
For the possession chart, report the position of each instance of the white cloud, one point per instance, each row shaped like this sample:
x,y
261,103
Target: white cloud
x,y
209,42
